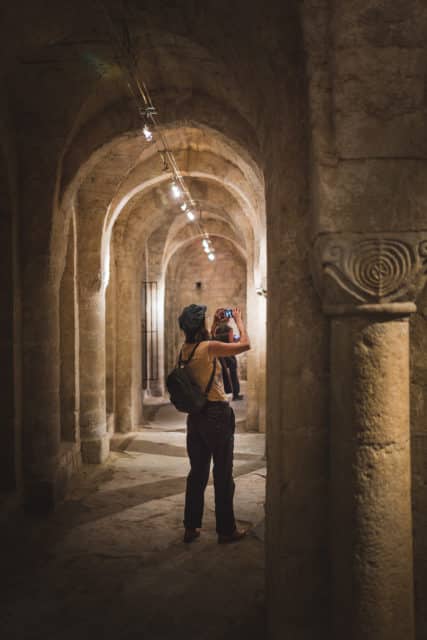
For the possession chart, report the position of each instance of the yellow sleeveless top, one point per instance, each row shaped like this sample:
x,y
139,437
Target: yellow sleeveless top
x,y
200,367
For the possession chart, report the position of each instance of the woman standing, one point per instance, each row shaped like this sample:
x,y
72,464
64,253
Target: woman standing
x,y
224,333
210,432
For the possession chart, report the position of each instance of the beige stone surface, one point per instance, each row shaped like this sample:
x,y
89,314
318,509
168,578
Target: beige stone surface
x,y
370,450
112,561
290,121
222,284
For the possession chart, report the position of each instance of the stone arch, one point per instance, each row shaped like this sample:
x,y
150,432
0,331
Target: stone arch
x,y
186,265
275,128
134,223
121,189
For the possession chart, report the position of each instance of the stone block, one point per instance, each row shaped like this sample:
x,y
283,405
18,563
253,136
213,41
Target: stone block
x,y
96,451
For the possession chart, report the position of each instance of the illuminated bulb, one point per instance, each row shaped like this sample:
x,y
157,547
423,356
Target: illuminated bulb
x,y
211,256
190,215
205,243
176,191
207,249
147,133
183,206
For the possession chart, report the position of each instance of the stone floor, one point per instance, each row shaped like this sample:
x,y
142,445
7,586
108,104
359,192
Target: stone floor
x,y
110,563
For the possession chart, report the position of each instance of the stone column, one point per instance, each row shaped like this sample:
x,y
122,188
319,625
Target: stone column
x,y
371,521
8,468
154,272
128,356
93,417
256,358
158,387
368,285
40,388
69,332
111,338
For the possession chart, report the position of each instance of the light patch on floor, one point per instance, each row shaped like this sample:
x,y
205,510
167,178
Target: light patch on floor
x,y
111,561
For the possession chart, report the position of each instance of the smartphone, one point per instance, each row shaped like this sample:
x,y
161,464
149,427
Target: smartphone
x,y
228,313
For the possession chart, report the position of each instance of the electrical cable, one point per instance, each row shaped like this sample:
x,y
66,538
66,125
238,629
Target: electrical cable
x,y
128,62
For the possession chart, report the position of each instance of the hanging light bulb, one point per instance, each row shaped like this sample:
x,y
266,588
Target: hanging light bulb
x,y
205,243
190,215
211,256
207,249
183,206
147,133
176,191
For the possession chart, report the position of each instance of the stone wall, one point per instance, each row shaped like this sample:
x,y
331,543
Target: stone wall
x,y
222,284
366,69
418,337
69,335
10,310
8,468
331,112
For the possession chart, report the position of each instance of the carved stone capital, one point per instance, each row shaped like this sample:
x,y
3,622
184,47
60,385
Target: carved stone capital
x,y
358,273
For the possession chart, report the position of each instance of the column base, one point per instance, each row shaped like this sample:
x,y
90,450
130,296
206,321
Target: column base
x,y
156,389
42,495
124,421
96,451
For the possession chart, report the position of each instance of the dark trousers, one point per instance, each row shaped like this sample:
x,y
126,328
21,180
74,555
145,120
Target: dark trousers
x,y
210,434
230,376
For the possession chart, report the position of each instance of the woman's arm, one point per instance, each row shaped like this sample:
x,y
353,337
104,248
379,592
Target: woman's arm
x,y
216,321
219,349
214,326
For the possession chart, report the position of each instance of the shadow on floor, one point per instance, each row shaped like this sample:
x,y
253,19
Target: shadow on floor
x,y
111,562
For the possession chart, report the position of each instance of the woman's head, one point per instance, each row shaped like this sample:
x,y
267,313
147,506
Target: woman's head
x,y
193,322
224,332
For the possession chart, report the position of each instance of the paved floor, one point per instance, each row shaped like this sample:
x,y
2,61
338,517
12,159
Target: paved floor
x,y
110,563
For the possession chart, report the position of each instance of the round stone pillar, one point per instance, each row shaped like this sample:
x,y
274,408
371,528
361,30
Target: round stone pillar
x,y
371,520
128,354
93,417
40,390
369,284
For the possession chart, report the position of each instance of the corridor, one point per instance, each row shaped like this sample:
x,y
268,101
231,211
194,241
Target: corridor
x,y
111,560
269,157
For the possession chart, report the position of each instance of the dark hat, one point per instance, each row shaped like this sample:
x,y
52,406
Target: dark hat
x,y
192,317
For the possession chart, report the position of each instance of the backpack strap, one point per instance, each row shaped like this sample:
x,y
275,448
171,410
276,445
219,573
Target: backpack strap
x,y
183,362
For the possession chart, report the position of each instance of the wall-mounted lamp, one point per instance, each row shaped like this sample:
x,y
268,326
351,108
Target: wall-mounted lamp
x,y
261,292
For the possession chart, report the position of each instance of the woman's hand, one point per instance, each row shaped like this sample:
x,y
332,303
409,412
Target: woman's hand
x,y
232,349
237,315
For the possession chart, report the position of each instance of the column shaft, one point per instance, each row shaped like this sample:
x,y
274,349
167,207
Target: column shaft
x,y
128,357
93,417
40,391
371,523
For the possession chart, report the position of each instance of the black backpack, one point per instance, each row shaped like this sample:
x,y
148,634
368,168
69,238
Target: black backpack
x,y
185,393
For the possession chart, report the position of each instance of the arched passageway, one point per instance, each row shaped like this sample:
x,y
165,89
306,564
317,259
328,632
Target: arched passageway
x,y
191,278
299,128
137,241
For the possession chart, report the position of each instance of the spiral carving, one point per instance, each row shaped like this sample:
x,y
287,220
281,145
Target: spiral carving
x,y
379,267
374,269
423,249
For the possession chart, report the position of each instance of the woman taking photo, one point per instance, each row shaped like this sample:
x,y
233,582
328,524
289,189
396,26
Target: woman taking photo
x,y
210,432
